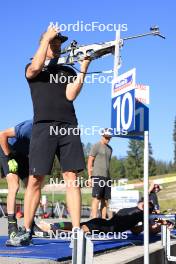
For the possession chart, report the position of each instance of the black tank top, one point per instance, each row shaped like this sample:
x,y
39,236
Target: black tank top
x,y
127,218
48,92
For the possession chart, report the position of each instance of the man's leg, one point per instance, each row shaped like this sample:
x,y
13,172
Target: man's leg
x,y
95,204
32,199
13,186
98,224
41,156
73,197
97,194
103,209
105,198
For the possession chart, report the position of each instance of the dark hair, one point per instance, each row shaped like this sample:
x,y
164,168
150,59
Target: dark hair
x,y
106,132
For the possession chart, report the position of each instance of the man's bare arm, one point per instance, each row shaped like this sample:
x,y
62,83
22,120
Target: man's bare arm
x,y
73,89
90,165
39,58
38,61
4,135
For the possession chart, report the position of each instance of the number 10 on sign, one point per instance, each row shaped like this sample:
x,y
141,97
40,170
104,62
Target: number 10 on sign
x,y
123,112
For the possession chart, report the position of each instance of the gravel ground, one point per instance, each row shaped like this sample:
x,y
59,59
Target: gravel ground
x,y
3,223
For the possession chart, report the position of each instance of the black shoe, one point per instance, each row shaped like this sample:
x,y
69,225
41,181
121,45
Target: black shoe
x,y
12,231
22,238
38,232
12,226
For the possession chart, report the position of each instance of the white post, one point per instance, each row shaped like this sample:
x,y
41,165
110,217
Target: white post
x,y
163,235
82,252
117,53
168,252
146,198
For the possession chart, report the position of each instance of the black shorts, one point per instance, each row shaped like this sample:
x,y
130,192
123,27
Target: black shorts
x,y
55,138
101,187
23,165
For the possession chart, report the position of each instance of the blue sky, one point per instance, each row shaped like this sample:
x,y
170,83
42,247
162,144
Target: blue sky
x,y
21,25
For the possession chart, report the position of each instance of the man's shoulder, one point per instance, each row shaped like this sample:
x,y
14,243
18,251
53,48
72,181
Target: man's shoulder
x,y
94,149
97,145
26,67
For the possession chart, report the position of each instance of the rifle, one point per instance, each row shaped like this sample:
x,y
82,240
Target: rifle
x,y
75,53
163,218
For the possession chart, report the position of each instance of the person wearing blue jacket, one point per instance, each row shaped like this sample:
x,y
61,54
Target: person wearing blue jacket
x,y
14,162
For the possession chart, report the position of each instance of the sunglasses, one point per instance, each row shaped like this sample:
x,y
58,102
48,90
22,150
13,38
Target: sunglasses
x,y
108,138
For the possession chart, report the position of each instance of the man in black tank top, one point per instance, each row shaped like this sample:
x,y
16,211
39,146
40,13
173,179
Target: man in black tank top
x,y
53,90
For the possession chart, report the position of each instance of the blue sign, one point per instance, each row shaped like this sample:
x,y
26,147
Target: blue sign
x,y
129,115
123,112
141,117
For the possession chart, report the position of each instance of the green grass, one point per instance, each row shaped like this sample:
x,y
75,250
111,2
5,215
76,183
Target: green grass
x,y
168,205
86,198
167,197
3,183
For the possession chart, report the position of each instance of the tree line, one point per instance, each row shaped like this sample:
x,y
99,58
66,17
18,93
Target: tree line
x,y
132,165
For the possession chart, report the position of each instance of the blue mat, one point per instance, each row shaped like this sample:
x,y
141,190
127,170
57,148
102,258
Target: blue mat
x,y
59,250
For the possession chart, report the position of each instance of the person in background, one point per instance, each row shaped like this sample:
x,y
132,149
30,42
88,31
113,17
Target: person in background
x,y
99,175
14,151
153,190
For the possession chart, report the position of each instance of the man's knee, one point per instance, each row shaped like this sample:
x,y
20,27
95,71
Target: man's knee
x,y
70,175
95,200
71,179
13,184
35,181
